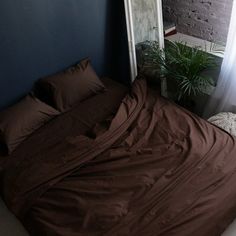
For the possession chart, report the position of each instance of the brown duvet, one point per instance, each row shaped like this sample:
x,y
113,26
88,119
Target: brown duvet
x,y
153,169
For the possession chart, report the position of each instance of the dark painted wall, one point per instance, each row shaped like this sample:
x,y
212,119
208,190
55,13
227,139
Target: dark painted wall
x,y
41,37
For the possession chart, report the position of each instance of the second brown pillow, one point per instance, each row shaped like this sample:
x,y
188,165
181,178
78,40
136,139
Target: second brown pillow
x,y
65,89
22,119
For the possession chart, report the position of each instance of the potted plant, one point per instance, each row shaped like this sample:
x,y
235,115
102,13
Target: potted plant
x,y
182,66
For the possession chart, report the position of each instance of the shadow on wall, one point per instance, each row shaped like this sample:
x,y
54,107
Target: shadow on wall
x,y
117,43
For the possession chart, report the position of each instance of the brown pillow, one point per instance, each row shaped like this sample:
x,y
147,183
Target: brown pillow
x,y
65,89
22,119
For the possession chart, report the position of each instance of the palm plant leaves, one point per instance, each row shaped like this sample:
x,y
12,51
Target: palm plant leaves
x,y
182,64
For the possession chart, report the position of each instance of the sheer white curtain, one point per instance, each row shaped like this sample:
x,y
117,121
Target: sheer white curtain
x,y
224,96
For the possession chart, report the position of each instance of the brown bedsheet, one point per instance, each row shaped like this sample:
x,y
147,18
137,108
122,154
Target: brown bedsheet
x,y
155,169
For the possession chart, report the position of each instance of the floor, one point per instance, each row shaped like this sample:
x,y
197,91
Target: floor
x,y
231,230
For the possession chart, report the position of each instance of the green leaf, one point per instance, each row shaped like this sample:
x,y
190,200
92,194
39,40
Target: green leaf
x,y
182,64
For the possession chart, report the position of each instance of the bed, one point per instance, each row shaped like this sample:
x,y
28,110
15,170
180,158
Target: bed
x,y
123,164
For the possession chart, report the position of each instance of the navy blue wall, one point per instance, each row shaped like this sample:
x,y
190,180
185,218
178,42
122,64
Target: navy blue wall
x,y
41,37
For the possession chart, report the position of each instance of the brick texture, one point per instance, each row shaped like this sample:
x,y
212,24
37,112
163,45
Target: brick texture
x,y
206,19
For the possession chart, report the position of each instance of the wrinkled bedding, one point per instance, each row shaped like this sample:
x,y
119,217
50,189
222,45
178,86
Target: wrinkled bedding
x,y
151,169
